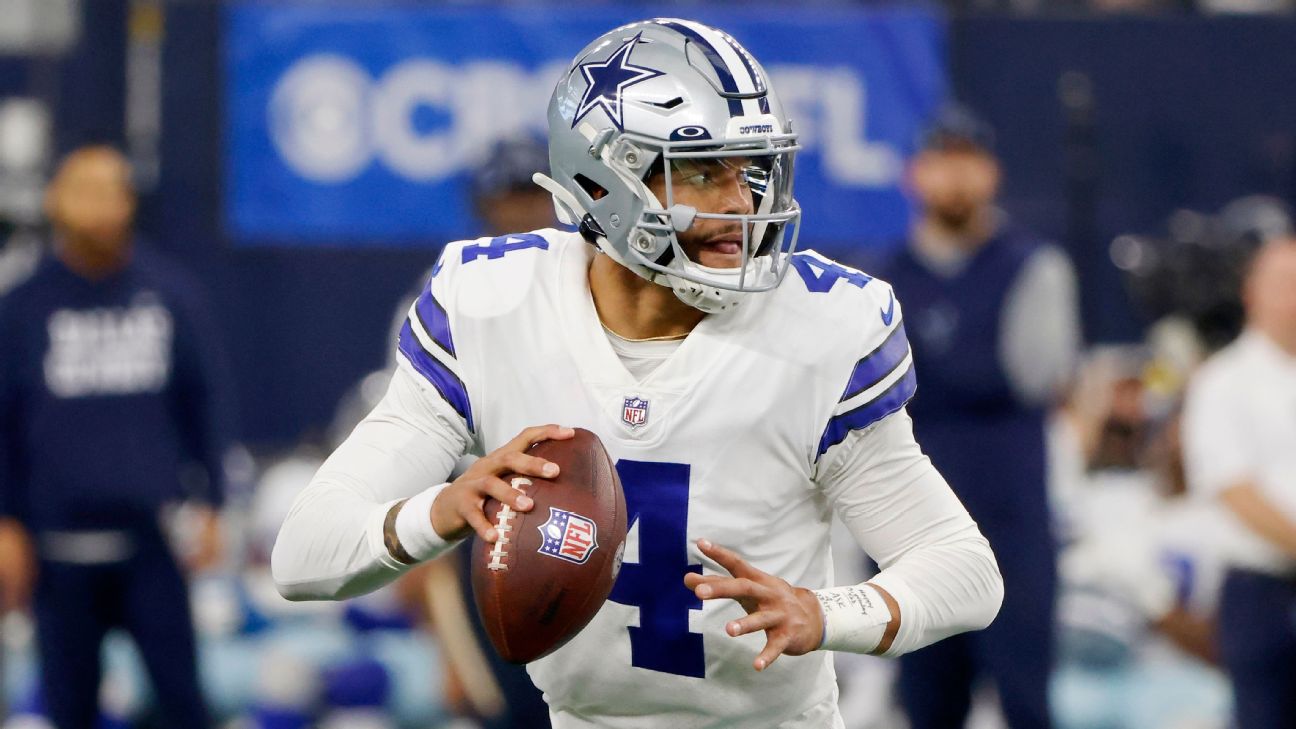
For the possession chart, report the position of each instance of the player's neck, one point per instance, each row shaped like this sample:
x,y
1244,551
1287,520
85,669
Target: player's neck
x,y
634,308
89,261
1280,334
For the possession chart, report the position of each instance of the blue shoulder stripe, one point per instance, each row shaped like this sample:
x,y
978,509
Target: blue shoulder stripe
x,y
446,382
865,415
876,365
434,320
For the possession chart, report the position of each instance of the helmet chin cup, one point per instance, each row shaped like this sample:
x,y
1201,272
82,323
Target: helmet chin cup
x,y
707,299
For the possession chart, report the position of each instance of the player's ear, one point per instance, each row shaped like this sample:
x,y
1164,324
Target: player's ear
x,y
591,188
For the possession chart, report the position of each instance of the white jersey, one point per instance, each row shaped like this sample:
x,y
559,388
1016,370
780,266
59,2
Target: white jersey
x,y
764,421
722,441
1238,428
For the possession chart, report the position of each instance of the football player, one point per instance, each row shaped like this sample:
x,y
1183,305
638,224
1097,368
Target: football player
x,y
745,390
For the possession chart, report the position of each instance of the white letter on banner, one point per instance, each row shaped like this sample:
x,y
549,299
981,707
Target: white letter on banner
x,y
318,118
849,157
328,118
498,100
798,89
405,87
828,108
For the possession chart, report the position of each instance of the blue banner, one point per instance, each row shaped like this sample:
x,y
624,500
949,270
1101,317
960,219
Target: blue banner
x,y
355,125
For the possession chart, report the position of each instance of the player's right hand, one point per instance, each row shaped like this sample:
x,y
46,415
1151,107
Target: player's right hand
x,y
459,510
17,567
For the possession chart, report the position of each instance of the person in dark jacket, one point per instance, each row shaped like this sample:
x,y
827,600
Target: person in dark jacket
x,y
993,321
112,408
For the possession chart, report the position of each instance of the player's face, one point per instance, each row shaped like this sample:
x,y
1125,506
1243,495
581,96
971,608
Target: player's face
x,y
955,185
711,186
1271,290
91,200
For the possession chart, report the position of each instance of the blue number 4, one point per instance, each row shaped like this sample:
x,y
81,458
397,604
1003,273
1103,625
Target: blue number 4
x,y
504,244
820,275
657,498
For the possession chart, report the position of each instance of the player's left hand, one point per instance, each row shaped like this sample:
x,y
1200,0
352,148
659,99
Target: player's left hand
x,y
789,615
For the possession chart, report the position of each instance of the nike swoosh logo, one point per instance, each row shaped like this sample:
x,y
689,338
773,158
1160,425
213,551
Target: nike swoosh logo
x,y
888,313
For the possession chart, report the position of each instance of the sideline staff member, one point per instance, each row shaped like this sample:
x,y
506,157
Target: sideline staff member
x,y
1240,447
108,392
992,317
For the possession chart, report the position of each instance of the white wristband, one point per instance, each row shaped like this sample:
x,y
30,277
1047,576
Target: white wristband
x,y
414,526
855,618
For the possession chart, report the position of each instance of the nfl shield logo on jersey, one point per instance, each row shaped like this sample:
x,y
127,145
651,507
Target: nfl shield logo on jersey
x,y
635,412
568,535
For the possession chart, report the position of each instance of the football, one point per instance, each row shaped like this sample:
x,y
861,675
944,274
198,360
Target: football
x,y
553,567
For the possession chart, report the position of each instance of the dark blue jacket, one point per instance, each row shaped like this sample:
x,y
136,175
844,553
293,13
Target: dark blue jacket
x,y
113,397
989,446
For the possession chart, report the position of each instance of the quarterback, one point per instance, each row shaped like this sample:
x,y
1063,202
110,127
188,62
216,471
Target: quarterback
x,y
747,391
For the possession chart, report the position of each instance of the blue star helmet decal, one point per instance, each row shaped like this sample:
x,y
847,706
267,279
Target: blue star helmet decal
x,y
607,79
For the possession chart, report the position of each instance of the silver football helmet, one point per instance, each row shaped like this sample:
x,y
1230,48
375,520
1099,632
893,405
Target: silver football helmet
x,y
660,96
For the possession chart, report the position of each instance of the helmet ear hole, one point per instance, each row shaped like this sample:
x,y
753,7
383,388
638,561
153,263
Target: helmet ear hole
x,y
591,188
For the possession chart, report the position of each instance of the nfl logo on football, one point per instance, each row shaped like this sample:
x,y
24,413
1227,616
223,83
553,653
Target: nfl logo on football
x,y
635,412
568,536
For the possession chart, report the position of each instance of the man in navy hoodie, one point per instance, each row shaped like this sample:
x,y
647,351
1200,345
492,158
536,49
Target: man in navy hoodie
x,y
993,323
111,408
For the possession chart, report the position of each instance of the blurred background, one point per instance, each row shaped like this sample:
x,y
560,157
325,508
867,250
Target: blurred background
x,y
305,161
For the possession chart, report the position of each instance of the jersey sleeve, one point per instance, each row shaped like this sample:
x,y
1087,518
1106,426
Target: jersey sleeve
x,y
1217,445
1040,325
427,340
331,545
880,382
935,562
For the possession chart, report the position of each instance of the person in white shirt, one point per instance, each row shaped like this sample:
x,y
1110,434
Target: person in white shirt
x,y
1240,448
742,407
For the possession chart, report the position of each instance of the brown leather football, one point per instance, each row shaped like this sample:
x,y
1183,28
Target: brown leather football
x,y
554,566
